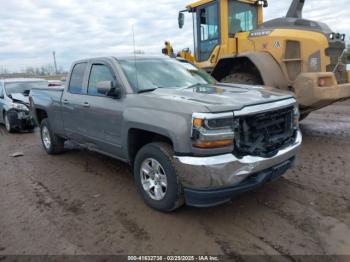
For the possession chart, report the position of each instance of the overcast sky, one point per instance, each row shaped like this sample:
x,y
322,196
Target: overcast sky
x,y
31,29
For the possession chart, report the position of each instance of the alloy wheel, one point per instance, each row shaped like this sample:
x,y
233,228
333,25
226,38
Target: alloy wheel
x,y
153,179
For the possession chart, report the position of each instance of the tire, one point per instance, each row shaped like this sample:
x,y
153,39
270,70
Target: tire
x,y
242,78
303,116
171,196
8,124
52,144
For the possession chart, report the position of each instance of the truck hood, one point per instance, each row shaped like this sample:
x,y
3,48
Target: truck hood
x,y
20,98
223,97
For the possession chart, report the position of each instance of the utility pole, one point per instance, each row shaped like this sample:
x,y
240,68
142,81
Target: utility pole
x,y
54,61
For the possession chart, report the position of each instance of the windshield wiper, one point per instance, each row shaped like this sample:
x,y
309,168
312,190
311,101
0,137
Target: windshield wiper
x,y
195,85
146,90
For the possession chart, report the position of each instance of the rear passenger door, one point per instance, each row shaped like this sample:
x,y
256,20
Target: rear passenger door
x,y
72,104
104,114
2,101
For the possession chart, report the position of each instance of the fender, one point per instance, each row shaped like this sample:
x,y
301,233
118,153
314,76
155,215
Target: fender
x,y
264,63
162,123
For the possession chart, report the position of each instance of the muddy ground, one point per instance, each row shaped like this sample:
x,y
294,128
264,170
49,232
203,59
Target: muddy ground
x,y
84,203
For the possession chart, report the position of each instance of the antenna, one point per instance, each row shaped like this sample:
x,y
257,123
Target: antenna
x,y
135,64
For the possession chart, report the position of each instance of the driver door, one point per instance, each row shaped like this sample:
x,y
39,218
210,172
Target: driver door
x,y
103,114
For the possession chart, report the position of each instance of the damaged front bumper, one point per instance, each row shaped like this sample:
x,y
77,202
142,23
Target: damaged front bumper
x,y
210,181
20,120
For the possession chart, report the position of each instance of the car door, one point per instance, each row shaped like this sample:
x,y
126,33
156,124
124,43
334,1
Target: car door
x,y
2,101
103,114
72,104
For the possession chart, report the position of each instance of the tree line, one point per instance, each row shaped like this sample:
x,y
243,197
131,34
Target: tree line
x,y
44,70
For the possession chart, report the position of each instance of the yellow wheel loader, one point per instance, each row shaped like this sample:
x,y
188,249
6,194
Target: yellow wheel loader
x,y
234,44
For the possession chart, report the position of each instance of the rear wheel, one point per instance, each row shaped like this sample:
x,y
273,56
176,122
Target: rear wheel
x,y
52,144
156,178
242,78
8,124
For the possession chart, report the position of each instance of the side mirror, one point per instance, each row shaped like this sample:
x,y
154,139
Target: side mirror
x,y
181,20
115,92
106,88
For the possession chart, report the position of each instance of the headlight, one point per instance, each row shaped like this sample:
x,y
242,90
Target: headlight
x,y
296,117
212,130
19,107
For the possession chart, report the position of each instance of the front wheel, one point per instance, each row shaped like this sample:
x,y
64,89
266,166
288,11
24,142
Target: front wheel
x,y
52,144
8,124
156,178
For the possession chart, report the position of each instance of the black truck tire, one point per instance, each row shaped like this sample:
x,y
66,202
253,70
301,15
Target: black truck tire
x,y
52,144
150,157
241,78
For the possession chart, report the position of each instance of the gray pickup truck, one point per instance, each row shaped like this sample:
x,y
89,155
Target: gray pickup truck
x,y
188,138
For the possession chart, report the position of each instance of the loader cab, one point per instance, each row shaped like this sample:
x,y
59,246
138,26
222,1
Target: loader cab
x,y
215,22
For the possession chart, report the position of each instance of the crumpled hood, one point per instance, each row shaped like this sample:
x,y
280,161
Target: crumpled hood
x,y
224,97
20,98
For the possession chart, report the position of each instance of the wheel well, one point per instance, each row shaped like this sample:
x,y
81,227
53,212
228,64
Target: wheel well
x,y
138,138
236,65
40,115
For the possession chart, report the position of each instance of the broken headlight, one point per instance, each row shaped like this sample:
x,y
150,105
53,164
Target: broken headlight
x,y
212,130
296,117
19,107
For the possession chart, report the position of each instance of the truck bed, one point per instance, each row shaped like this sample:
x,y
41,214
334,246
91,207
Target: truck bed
x,y
49,100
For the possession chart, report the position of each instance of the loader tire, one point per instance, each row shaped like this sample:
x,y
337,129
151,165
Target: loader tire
x,y
303,116
242,78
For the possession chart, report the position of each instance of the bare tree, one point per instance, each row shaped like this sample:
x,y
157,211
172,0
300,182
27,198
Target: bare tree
x,y
3,70
139,52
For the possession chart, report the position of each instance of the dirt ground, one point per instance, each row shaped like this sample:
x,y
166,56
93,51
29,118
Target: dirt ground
x,y
84,203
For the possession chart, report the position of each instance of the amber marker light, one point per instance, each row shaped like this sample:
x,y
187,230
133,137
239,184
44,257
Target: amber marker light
x,y
214,144
197,122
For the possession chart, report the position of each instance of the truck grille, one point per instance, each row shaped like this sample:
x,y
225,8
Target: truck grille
x,y
265,133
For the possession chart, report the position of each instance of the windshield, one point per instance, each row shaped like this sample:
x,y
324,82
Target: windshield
x,y
151,73
242,17
23,87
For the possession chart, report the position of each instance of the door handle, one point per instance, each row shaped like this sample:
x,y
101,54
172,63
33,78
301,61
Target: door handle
x,y
86,104
65,101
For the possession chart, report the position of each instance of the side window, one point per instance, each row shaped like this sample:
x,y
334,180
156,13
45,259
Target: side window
x,y
209,31
99,73
77,78
209,23
1,91
243,17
